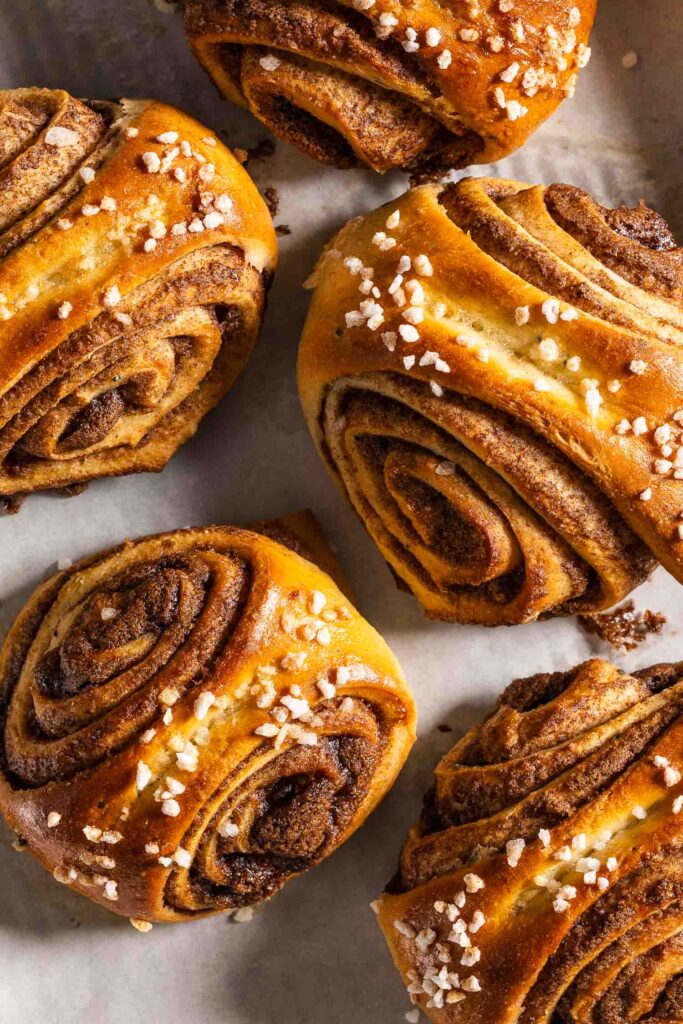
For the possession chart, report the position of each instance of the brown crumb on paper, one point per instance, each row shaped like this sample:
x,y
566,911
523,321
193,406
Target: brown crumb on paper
x,y
283,229
262,150
624,627
272,200
71,490
11,503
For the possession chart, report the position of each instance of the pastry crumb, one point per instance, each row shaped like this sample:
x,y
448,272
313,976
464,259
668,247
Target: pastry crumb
x,y
624,627
272,199
10,504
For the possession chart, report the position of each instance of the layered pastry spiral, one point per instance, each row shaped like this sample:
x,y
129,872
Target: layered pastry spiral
x,y
492,371
135,253
543,882
192,719
381,83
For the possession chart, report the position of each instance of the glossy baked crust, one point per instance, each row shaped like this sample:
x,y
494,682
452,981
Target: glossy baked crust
x,y
135,253
543,882
192,719
423,86
492,372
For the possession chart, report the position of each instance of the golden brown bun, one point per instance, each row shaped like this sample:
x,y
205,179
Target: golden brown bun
x,y
506,415
117,331
471,83
133,684
546,870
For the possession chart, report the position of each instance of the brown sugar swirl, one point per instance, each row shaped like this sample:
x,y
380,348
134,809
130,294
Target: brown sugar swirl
x,y
135,255
192,719
543,882
420,86
492,373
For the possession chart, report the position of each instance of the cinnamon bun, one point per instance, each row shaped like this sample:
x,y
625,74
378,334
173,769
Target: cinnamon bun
x,y
136,254
543,882
192,719
492,372
421,86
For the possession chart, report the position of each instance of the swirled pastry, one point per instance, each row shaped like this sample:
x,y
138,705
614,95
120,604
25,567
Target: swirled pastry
x,y
493,374
135,253
420,85
543,882
192,719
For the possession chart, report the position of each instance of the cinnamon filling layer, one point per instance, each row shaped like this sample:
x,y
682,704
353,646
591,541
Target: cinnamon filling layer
x,y
289,815
431,480
97,682
320,77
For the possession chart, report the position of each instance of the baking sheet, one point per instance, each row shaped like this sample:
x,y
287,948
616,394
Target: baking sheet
x,y
314,953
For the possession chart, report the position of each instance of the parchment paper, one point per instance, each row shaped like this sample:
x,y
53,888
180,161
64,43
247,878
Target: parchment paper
x,y
313,955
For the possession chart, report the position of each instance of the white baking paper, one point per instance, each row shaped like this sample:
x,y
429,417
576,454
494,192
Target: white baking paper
x,y
313,955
